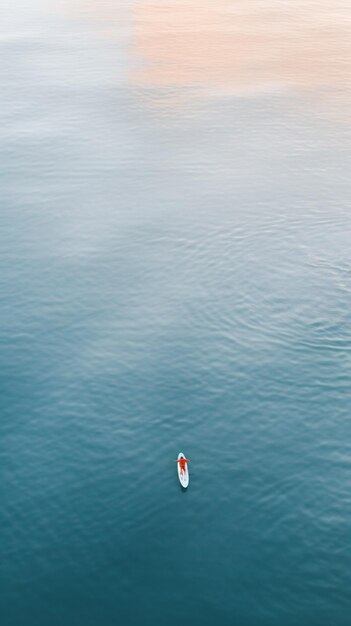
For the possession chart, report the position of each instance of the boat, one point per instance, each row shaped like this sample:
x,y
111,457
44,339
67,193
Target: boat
x,y
183,476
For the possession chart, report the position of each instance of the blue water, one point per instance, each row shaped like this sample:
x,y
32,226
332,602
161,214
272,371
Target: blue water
x,y
175,276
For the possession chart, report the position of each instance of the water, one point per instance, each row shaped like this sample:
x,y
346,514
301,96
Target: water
x,y
175,275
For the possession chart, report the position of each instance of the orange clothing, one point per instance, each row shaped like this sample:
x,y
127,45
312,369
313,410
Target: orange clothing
x,y
182,463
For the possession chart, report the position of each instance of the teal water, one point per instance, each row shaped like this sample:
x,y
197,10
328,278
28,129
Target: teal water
x,y
175,275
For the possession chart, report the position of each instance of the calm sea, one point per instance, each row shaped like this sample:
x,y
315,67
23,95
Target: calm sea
x,y
175,276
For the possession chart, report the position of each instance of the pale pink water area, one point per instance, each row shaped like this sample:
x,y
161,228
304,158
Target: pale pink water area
x,y
232,44
239,44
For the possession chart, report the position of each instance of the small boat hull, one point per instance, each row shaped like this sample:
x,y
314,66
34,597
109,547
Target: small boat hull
x,y
183,476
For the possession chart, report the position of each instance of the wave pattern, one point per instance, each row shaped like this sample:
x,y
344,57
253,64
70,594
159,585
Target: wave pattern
x,y
171,280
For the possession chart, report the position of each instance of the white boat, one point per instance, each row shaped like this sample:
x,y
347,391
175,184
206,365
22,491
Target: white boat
x,y
183,476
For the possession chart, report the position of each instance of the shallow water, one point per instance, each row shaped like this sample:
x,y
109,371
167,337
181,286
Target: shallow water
x,y
175,275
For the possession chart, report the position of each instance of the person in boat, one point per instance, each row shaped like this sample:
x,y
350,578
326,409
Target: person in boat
x,y
182,462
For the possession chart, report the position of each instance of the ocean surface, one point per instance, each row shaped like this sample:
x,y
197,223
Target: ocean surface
x,y
175,276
